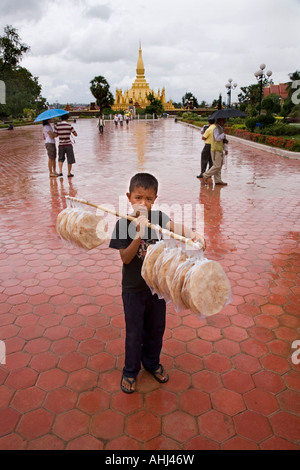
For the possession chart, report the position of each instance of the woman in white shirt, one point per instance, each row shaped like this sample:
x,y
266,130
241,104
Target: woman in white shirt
x,y
50,147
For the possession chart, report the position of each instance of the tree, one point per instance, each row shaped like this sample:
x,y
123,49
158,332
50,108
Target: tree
x,y
100,90
11,48
271,104
177,105
249,95
295,76
190,98
218,104
203,104
22,89
290,105
249,98
155,106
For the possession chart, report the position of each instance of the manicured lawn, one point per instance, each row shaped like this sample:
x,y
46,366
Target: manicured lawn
x,y
289,137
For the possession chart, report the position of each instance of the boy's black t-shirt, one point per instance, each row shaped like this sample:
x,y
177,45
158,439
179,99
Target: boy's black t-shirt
x,y
123,234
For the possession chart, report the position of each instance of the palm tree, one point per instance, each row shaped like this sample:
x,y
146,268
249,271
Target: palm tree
x,y
100,90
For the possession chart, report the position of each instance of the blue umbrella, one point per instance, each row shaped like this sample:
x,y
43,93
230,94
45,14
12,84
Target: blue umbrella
x,y
49,114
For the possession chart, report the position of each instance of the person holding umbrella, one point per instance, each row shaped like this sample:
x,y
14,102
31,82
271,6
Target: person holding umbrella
x,y
48,135
217,152
219,143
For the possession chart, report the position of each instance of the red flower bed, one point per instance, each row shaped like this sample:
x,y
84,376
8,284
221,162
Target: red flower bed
x,y
280,142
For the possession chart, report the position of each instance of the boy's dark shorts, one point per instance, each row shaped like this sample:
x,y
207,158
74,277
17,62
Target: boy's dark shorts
x,y
66,150
51,150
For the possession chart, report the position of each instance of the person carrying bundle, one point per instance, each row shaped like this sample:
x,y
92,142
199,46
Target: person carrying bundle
x,y
145,313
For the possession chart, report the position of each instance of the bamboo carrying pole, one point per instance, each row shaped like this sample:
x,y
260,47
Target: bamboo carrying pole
x,y
182,239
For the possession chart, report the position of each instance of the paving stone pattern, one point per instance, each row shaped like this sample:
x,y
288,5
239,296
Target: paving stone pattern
x,y
233,384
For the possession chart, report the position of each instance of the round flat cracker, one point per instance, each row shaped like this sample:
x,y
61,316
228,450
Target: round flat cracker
x,y
71,224
89,230
156,267
179,258
176,288
64,221
207,288
153,251
82,228
61,223
161,269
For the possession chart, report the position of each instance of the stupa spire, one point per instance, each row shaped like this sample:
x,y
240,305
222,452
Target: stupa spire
x,y
140,69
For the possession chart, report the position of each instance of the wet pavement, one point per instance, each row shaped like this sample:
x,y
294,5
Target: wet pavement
x,y
233,381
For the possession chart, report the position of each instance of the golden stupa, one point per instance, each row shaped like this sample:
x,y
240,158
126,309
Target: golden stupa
x,y
137,95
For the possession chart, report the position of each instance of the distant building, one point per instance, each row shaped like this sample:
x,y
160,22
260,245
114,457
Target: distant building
x,y
137,95
279,90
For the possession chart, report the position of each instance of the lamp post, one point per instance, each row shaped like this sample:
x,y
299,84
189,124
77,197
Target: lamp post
x,y
261,77
230,86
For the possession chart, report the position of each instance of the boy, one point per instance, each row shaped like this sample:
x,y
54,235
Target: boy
x,y
145,314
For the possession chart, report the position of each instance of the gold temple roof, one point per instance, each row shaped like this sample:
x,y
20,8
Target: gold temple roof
x,y
137,95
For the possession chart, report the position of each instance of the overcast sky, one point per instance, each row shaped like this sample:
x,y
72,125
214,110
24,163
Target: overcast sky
x,y
188,45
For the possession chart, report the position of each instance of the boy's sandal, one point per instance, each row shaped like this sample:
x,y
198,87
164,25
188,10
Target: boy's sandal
x,y
127,384
160,374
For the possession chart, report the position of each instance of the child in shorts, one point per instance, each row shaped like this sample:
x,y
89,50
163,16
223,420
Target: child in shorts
x,y
48,135
145,313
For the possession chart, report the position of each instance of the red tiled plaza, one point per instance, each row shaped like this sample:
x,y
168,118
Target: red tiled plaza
x,y
233,383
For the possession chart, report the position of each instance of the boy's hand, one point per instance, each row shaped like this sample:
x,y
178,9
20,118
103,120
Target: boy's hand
x,y
196,237
139,209
141,223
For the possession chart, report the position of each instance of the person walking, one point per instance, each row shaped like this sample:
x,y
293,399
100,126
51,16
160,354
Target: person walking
x,y
101,123
63,130
206,152
48,135
217,153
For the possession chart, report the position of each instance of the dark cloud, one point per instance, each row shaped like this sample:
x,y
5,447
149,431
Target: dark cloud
x,y
18,10
102,12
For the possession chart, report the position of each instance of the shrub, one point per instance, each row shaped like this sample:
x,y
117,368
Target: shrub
x,y
190,116
251,123
281,129
264,119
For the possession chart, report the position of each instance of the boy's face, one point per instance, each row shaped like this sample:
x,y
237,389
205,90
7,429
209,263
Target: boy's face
x,y
142,199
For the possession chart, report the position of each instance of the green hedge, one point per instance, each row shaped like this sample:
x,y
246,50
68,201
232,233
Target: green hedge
x,y
281,129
